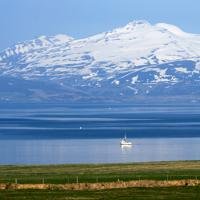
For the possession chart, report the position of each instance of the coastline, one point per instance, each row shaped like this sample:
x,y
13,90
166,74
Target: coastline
x,y
98,173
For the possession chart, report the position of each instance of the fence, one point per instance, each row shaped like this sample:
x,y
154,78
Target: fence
x,y
94,179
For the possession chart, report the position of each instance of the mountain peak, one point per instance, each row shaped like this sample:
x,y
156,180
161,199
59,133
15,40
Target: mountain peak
x,y
63,38
60,38
136,23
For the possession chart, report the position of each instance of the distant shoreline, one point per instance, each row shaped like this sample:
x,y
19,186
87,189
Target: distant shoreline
x,y
159,163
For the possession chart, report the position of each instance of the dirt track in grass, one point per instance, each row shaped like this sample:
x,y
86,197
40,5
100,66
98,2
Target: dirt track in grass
x,y
102,186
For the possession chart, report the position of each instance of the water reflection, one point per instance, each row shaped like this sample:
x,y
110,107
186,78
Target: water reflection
x,y
126,148
50,151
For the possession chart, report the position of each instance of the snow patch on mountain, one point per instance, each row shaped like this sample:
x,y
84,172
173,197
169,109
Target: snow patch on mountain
x,y
134,79
182,69
173,29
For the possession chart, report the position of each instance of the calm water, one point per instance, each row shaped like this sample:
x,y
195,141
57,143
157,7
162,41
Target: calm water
x,y
92,135
97,150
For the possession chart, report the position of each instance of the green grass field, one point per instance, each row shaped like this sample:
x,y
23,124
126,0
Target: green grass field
x,y
100,173
171,193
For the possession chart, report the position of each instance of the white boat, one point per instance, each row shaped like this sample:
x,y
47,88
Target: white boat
x,y
125,142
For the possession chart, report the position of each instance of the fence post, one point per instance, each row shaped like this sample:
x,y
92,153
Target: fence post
x,y
66,180
77,179
43,181
97,180
16,181
167,177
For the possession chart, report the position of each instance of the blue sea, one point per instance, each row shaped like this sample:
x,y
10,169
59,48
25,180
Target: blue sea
x,y
91,134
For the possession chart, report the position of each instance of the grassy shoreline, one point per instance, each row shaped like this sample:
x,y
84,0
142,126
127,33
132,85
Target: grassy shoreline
x,y
91,173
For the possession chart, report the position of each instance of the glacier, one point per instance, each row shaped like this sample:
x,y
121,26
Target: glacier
x,y
136,63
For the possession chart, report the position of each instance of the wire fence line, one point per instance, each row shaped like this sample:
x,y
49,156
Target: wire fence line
x,y
96,179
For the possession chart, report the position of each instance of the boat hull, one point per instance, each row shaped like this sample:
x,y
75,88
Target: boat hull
x,y
126,144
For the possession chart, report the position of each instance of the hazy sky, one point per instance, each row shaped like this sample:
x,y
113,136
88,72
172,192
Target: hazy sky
x,y
26,19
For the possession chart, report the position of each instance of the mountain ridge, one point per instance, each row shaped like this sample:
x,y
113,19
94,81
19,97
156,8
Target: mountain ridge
x,y
136,61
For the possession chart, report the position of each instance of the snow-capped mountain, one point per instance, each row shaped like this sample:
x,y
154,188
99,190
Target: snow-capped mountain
x,y
129,64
